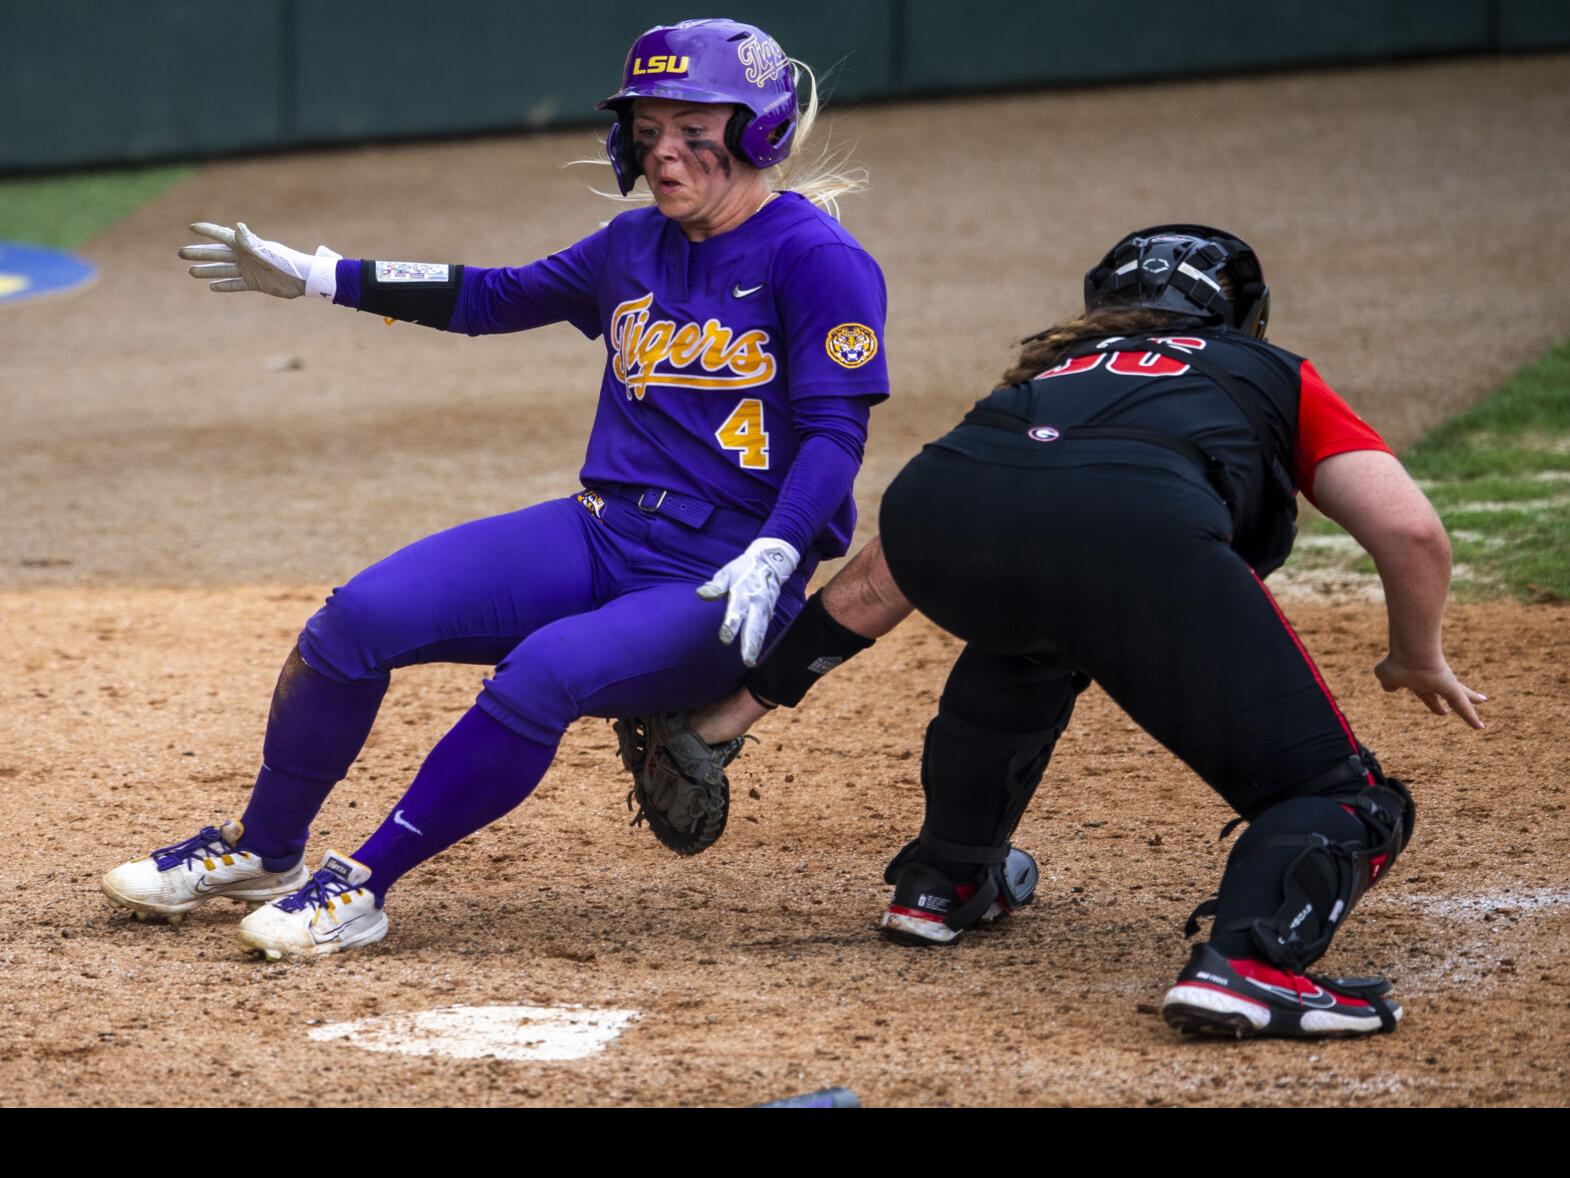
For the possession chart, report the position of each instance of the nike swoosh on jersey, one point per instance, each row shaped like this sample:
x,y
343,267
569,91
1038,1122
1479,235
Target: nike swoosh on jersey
x,y
738,293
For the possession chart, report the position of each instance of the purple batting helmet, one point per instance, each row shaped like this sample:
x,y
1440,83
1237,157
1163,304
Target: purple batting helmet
x,y
709,61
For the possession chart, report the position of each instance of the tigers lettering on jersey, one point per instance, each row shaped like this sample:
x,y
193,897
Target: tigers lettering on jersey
x,y
647,351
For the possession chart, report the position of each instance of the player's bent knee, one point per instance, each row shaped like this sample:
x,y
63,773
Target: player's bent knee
x,y
531,695
342,639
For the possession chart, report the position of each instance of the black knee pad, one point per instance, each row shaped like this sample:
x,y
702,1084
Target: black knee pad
x,y
1325,880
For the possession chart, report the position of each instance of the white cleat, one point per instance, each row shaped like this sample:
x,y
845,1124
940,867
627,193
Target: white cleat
x,y
331,913
175,879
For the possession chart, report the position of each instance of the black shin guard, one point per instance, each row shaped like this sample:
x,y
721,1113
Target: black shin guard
x,y
1321,850
978,780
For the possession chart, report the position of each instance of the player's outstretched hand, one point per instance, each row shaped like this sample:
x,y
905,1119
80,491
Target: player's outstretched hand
x,y
242,261
1437,687
751,583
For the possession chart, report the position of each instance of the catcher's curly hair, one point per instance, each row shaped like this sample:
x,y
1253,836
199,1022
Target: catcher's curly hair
x,y
1042,350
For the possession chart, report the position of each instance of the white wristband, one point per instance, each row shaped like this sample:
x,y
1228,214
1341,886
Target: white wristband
x,y
322,282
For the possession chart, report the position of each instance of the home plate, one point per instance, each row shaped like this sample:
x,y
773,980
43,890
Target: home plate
x,y
480,1032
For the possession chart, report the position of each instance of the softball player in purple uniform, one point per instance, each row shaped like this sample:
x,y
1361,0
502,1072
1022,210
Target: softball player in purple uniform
x,y
743,332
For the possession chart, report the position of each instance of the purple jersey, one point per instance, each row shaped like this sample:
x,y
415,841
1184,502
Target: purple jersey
x,y
709,345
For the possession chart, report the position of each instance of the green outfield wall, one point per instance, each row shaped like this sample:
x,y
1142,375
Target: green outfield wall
x,y
86,82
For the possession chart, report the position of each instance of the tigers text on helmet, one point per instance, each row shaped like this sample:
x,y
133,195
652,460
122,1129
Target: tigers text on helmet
x,y
1180,268
709,61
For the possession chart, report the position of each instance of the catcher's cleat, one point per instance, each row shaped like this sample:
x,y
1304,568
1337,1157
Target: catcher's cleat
x,y
925,898
1241,998
334,911
175,879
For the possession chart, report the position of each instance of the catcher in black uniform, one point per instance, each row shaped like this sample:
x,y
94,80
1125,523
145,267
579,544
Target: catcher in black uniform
x,y
1109,514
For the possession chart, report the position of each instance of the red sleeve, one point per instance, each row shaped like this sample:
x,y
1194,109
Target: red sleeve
x,y
1326,425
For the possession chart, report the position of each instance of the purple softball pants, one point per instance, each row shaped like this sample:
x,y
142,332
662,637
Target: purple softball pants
x,y
586,606
582,613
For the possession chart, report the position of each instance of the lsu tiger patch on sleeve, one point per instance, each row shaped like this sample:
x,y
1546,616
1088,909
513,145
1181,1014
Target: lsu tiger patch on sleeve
x,y
850,345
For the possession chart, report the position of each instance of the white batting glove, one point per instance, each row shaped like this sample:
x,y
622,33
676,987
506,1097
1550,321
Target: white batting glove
x,y
753,582
243,261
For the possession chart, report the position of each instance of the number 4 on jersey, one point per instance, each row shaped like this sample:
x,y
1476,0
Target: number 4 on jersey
x,y
743,431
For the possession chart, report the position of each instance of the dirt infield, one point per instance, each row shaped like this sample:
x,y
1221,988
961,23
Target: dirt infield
x,y
185,475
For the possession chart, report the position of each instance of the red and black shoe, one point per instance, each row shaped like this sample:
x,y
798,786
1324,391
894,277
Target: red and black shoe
x,y
929,908
1241,998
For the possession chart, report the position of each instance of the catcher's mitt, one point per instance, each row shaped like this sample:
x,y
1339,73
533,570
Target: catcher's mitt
x,y
678,780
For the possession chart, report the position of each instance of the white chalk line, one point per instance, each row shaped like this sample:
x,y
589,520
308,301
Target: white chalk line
x,y
1479,904
515,1033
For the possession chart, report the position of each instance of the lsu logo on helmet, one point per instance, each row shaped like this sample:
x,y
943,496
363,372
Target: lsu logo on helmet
x,y
850,345
660,63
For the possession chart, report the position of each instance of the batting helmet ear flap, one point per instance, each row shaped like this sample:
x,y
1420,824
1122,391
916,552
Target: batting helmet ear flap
x,y
778,136
739,120
618,145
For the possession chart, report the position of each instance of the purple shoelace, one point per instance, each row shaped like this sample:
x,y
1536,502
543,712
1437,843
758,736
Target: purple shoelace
x,y
323,887
201,846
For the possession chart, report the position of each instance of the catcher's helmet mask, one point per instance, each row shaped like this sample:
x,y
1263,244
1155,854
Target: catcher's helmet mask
x,y
709,61
1180,268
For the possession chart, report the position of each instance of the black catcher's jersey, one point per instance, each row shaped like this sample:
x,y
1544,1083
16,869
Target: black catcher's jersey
x,y
1160,393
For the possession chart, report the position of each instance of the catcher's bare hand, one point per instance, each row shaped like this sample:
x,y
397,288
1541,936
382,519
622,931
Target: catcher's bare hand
x,y
1438,688
239,260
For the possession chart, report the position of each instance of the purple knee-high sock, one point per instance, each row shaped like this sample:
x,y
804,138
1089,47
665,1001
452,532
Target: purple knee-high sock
x,y
315,729
475,774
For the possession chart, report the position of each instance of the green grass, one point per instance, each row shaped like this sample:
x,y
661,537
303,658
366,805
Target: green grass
x,y
65,211
1490,472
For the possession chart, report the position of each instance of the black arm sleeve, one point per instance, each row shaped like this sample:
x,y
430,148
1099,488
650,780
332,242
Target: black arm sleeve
x,y
813,646
430,304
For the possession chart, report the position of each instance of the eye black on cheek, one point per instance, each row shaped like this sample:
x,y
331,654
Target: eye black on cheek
x,y
707,147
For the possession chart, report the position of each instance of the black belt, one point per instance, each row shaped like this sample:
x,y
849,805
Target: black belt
x,y
684,509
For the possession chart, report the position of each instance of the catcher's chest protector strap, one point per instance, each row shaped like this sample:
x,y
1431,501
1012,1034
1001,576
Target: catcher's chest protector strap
x,y
416,292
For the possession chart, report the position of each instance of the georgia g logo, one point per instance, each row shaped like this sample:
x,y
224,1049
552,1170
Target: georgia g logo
x,y
850,345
